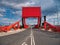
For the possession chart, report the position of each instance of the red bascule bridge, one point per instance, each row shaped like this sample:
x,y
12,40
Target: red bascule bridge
x,y
28,12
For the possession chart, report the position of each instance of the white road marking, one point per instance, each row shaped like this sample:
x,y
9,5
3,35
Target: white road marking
x,y
24,43
32,38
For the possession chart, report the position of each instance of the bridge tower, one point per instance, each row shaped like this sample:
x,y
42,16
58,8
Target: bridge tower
x,y
28,12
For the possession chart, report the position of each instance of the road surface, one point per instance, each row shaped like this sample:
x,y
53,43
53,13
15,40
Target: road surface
x,y
31,37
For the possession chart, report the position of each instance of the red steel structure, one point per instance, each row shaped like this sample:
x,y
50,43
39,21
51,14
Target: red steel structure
x,y
28,12
54,28
48,26
12,26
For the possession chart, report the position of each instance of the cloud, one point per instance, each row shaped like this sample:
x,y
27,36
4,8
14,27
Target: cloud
x,y
54,19
57,1
1,15
17,4
2,10
53,16
51,10
31,21
7,21
16,1
46,4
48,7
24,4
17,12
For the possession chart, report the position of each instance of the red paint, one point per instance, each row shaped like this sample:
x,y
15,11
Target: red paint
x,y
14,26
31,11
45,25
53,27
28,12
7,28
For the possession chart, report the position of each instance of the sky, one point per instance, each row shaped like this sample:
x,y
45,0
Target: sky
x,y
11,10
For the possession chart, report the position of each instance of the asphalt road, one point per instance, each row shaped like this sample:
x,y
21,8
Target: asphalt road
x,y
31,37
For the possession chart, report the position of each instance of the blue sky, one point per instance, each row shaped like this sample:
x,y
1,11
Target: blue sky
x,y
10,10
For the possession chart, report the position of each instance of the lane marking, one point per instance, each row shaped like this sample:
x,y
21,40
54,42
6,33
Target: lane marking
x,y
32,38
24,43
